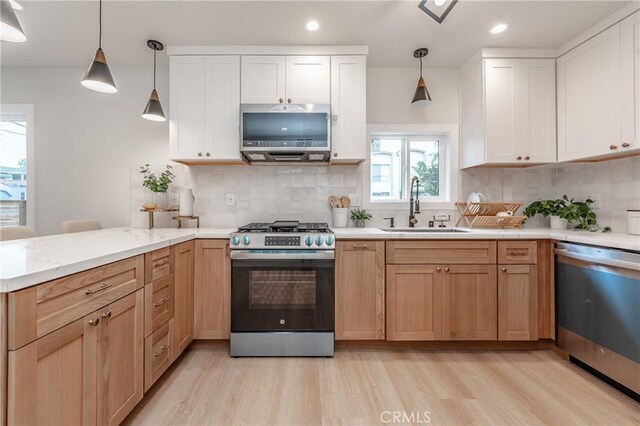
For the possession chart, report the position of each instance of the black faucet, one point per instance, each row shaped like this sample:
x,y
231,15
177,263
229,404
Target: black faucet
x,y
414,203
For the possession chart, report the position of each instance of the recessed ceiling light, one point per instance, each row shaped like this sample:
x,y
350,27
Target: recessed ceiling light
x,y
439,2
497,29
312,25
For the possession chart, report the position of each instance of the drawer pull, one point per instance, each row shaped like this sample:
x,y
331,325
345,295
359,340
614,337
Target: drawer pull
x,y
161,263
163,349
106,315
359,246
160,303
518,253
96,290
94,322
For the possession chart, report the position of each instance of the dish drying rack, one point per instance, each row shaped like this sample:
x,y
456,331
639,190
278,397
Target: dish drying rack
x,y
484,215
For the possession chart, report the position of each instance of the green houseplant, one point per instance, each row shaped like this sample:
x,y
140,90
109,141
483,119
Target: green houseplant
x,y
360,216
564,211
158,185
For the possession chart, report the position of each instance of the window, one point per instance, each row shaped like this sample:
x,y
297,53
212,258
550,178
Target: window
x,y
16,195
397,159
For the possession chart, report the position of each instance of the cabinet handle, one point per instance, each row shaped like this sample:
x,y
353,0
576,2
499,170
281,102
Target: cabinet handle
x,y
281,100
161,302
163,262
359,246
199,154
613,147
106,315
289,100
208,155
527,157
335,154
503,269
438,269
626,145
519,157
94,322
94,291
516,253
163,349
446,269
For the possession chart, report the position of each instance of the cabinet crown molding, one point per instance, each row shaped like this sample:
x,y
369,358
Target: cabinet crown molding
x,y
268,50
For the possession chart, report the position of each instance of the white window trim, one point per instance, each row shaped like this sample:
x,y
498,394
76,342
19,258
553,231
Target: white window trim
x,y
447,133
26,110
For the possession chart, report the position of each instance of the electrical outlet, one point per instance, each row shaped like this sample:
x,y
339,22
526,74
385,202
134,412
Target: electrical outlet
x,y
355,200
231,199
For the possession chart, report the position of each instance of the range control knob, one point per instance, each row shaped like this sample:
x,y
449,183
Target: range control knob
x,y
235,240
319,240
308,241
329,240
246,240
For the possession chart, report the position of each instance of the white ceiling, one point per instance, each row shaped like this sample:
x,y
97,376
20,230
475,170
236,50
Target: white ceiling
x,y
64,33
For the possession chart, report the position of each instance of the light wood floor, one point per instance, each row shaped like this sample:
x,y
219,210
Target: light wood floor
x,y
207,387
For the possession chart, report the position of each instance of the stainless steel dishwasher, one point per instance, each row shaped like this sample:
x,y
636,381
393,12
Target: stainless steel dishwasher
x,y
598,310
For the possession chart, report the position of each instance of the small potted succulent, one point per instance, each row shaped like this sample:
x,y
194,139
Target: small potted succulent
x,y
564,211
158,185
360,217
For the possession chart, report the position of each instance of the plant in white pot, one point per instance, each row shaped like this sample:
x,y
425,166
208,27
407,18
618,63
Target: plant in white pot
x,y
158,185
564,211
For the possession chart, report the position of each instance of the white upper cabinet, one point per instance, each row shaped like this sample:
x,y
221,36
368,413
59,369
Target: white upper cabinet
x,y
205,109
630,51
589,98
508,112
186,111
263,79
348,108
286,79
308,79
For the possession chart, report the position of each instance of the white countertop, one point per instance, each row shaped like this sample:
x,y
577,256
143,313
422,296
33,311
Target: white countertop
x,y
24,263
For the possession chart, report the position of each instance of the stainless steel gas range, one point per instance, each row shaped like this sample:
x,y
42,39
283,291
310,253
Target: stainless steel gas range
x,y
282,289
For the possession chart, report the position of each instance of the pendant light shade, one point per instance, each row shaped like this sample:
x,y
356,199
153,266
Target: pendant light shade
x,y
98,77
421,96
10,28
153,110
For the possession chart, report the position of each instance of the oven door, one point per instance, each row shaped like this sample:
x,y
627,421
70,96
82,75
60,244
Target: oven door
x,y
284,290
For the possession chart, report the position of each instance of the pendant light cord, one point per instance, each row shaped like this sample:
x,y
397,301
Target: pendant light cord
x,y
420,64
154,68
100,27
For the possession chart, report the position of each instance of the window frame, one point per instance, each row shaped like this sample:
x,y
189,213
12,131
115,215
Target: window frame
x,y
446,134
25,111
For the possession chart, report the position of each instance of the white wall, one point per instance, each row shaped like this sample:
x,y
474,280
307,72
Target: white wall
x,y
86,142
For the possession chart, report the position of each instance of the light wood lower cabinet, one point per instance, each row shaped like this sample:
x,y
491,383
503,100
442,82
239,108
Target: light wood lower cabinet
x,y
360,290
517,302
159,353
159,303
183,320
212,290
414,294
469,302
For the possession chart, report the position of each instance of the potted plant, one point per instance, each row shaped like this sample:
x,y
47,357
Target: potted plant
x,y
360,216
564,211
158,185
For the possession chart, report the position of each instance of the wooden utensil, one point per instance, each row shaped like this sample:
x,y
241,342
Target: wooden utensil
x,y
346,201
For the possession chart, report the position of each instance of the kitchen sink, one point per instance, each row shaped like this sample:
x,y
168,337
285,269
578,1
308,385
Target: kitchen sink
x,y
424,230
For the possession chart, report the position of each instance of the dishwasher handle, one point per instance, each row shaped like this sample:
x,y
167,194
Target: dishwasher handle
x,y
598,260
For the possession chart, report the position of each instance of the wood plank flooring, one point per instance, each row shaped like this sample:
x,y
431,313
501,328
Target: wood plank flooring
x,y
207,387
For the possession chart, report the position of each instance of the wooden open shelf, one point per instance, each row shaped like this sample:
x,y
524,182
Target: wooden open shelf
x,y
484,215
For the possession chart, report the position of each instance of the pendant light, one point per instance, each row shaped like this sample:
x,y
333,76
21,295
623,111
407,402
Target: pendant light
x,y
153,111
98,76
10,28
421,96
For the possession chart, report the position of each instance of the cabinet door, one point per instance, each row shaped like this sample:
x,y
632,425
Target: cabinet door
x,y
414,302
348,108
263,79
183,324
212,290
53,379
222,108
517,302
120,358
503,137
589,98
630,52
536,111
186,115
469,302
308,79
360,290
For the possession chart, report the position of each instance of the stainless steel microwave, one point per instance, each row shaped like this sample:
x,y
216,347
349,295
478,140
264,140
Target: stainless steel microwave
x,y
285,132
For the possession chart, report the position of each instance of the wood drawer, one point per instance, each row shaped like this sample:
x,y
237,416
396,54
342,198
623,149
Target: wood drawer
x,y
158,354
358,245
518,252
39,310
441,252
159,302
158,264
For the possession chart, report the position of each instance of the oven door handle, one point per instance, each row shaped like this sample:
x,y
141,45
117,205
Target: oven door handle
x,y
598,260
317,255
